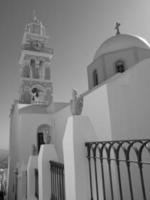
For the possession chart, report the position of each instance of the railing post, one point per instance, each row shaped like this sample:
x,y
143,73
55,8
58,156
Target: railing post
x,y
78,131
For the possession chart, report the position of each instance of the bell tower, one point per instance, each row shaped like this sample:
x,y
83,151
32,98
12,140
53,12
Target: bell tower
x,y
36,86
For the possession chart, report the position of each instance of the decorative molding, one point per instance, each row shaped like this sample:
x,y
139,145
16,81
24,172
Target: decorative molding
x,y
31,36
31,83
76,104
34,150
42,49
36,57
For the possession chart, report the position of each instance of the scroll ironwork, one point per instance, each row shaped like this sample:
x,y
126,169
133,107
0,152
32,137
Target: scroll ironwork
x,y
119,169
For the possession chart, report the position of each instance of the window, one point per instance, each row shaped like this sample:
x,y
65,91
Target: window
x,y
95,77
34,69
120,66
36,28
40,140
32,62
35,94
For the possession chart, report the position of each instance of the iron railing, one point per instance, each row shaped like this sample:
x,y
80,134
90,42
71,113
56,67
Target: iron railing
x,y
57,181
119,169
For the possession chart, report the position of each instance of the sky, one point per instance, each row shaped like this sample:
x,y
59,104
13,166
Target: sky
x,y
76,28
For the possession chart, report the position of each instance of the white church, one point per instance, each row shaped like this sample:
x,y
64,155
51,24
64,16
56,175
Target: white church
x,y
113,114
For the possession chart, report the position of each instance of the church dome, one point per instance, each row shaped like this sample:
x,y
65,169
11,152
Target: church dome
x,y
120,42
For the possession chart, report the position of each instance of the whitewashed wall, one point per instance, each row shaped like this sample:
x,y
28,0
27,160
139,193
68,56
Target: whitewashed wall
x,y
13,141
28,133
60,120
129,103
96,107
119,109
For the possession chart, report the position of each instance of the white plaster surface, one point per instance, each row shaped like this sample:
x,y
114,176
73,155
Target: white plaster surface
x,y
60,120
13,141
129,103
32,164
23,182
119,42
18,185
28,127
47,153
96,107
119,109
78,131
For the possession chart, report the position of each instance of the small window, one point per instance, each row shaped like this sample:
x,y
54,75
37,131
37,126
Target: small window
x,y
32,62
95,77
34,69
40,140
120,66
36,28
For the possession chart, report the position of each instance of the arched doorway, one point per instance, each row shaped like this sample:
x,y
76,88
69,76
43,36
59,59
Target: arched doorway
x,y
42,132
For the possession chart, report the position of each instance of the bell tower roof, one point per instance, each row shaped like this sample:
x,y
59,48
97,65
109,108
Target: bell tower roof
x,y
35,27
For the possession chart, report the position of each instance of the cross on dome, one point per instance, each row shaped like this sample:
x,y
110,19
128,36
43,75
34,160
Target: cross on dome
x,y
117,28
